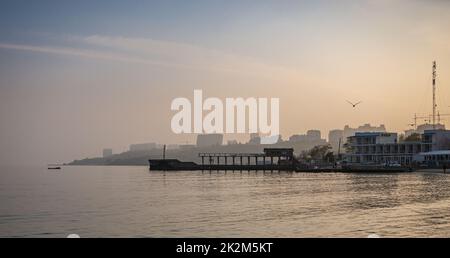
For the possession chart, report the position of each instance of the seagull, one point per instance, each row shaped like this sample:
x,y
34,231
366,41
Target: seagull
x,y
354,104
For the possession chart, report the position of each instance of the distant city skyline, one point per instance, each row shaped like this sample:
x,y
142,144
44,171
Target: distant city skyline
x,y
78,77
335,138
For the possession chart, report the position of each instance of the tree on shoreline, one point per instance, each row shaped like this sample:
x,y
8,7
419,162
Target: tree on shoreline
x,y
321,153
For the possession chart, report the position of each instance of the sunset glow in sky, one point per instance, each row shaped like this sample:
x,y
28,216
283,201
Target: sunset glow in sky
x,y
78,76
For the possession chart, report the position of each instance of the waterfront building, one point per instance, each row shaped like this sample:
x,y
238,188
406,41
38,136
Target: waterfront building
x,y
336,135
379,148
433,158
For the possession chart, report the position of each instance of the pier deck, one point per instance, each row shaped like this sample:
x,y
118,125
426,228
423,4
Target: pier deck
x,y
271,159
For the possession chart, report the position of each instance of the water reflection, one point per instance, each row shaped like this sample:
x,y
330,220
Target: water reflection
x,y
131,201
433,187
373,191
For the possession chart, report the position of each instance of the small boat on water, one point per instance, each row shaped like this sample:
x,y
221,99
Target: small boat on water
x,y
54,168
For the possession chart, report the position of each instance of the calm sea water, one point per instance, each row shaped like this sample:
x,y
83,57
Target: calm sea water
x,y
133,202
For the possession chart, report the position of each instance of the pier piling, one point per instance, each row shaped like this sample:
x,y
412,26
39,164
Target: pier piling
x,y
253,162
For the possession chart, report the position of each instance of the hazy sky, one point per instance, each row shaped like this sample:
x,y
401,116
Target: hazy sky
x,y
78,76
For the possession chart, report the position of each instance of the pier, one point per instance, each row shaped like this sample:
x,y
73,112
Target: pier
x,y
271,159
281,159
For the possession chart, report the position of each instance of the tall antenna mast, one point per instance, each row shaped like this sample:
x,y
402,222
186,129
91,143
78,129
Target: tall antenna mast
x,y
434,95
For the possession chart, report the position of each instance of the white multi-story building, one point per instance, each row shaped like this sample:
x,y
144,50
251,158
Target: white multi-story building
x,y
378,148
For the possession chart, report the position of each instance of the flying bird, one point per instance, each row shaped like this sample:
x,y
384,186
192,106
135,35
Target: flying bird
x,y
354,104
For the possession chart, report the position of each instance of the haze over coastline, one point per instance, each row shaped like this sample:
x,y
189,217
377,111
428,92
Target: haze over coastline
x,y
78,77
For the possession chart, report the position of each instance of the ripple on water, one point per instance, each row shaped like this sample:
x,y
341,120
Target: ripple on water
x,y
131,201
